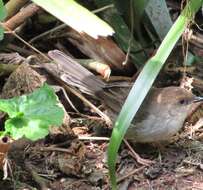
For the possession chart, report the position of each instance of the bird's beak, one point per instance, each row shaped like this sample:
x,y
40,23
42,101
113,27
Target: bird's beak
x,y
198,99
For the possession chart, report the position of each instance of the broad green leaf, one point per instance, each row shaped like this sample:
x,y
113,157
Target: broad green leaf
x,y
3,14
31,129
76,16
144,83
31,115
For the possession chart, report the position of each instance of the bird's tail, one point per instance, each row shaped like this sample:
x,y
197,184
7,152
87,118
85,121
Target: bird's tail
x,y
76,75
113,94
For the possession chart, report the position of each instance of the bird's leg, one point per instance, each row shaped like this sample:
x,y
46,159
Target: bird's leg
x,y
145,162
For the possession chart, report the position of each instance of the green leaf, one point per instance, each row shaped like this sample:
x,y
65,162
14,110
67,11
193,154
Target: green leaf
x,y
3,14
159,17
76,16
19,127
31,115
122,35
144,83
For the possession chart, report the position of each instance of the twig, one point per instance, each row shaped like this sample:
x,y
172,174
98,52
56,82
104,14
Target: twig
x,y
55,149
21,16
87,102
76,93
140,160
26,43
58,88
20,50
96,118
13,6
93,138
130,174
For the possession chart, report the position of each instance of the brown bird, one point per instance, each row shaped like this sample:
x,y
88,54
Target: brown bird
x,y
161,115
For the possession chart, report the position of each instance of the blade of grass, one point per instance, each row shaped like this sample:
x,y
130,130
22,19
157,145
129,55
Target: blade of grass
x,y
144,83
76,16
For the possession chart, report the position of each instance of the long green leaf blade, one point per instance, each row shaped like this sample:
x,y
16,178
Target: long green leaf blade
x,y
76,16
144,83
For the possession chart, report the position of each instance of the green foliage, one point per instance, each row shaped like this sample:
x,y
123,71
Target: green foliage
x,y
123,34
3,14
31,115
144,83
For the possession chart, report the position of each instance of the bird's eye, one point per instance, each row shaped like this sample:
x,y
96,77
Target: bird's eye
x,y
183,101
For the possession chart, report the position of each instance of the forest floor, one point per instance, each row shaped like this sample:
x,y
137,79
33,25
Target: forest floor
x,y
74,156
